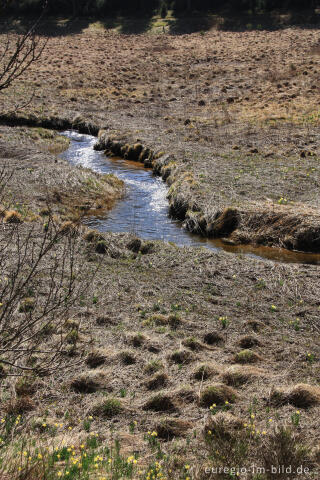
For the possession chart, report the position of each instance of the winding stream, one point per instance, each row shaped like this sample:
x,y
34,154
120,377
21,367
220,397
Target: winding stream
x,y
144,209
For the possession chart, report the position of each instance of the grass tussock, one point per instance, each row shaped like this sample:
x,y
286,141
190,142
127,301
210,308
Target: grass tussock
x,y
90,382
247,356
159,380
204,371
238,375
218,394
301,396
162,402
170,428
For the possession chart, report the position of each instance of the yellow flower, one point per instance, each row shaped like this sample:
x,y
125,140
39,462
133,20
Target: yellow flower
x,y
187,467
2,420
25,453
44,424
59,474
39,456
252,415
270,420
90,418
82,447
298,412
69,428
264,432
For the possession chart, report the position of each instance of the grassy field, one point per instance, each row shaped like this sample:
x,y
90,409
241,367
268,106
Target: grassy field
x,y
172,363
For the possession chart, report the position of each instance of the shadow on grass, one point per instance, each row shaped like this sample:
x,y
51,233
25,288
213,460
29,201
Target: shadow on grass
x,y
175,24
50,26
128,25
230,20
60,26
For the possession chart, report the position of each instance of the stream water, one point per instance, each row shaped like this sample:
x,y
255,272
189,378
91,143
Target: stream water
x,y
144,209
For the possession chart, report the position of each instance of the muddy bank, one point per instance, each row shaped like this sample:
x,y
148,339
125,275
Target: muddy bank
x,y
294,231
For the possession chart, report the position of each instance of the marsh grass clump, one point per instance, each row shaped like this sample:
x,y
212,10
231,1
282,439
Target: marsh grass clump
x,y
127,357
72,337
89,382
68,228
134,245
109,408
249,341
159,380
226,222
238,375
162,402
153,366
170,428
217,394
181,357
254,325
137,340
96,358
301,395
19,405
12,216
193,344
223,424
213,338
101,247
26,386
247,356
205,371
174,320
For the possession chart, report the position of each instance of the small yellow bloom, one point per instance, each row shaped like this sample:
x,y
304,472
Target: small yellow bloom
x,y
44,425
59,474
298,412
270,420
39,456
